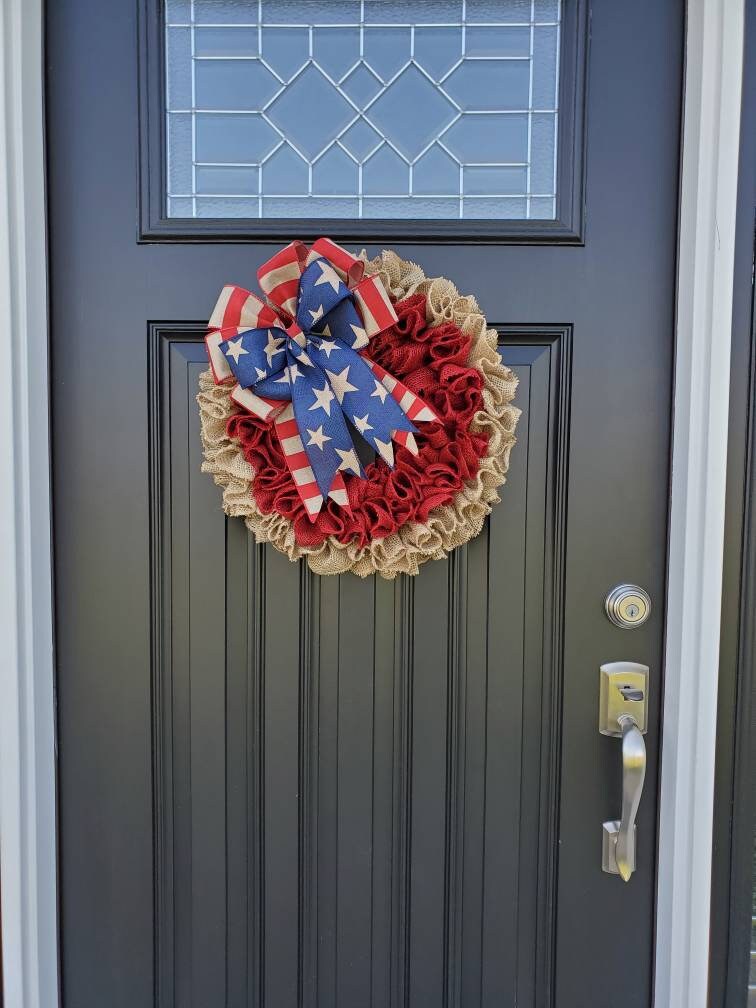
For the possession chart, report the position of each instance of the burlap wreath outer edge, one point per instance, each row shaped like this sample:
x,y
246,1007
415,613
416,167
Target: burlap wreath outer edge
x,y
413,543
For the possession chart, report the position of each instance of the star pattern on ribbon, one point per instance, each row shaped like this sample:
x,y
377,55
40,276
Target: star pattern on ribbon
x,y
300,362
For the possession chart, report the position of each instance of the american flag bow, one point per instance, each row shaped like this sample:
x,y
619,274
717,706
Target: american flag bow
x,y
299,361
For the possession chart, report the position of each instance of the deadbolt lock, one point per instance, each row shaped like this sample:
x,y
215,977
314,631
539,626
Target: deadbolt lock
x,y
628,606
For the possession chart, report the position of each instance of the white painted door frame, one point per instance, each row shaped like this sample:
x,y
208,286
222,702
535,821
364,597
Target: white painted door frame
x,y
27,725
705,272
702,375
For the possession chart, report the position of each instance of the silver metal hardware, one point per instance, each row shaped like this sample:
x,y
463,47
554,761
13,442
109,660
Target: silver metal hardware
x,y
623,713
623,690
628,606
631,694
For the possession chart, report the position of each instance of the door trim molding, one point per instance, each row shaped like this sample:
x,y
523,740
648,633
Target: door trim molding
x,y
27,726
734,796
704,296
706,243
567,228
176,341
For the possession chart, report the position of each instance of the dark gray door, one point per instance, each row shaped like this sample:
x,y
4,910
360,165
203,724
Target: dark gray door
x,y
279,790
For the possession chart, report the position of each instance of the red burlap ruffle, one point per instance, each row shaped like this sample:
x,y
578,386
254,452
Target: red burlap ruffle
x,y
431,362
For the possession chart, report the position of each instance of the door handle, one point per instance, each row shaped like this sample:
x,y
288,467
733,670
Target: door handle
x,y
623,713
633,773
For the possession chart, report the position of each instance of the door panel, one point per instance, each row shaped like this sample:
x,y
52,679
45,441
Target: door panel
x,y
281,790
354,797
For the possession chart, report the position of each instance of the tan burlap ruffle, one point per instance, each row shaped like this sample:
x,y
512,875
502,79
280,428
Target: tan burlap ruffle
x,y
413,543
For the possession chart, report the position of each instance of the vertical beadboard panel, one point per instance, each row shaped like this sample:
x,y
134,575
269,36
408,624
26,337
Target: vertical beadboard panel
x,y
536,726
385,801
503,768
354,783
240,568
471,881
245,612
281,776
429,784
206,632
402,771
309,734
456,762
355,803
326,908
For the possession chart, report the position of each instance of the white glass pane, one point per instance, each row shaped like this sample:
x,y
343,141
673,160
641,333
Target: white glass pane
x,y
394,109
225,206
494,209
542,208
335,174
179,61
542,147
545,66
225,180
436,173
226,41
309,206
495,41
285,173
180,154
411,208
483,180
233,84
178,11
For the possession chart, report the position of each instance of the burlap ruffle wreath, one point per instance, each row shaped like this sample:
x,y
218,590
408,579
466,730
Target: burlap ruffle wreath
x,y
413,543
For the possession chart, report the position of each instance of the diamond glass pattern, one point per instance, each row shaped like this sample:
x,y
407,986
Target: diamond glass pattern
x,y
400,109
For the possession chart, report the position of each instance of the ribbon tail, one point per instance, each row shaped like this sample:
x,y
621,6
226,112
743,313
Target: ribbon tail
x,y
412,405
416,409
287,429
338,492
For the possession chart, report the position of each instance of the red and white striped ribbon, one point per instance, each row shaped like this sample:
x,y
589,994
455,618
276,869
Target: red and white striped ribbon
x,y
238,309
287,430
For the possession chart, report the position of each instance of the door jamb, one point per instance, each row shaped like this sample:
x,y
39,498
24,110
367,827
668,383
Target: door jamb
x,y
27,723
706,244
734,796
704,304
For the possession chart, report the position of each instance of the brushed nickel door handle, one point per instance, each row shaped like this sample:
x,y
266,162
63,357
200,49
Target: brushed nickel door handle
x,y
623,714
633,774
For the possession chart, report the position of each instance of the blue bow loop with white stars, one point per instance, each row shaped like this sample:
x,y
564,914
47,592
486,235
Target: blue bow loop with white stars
x,y
306,347
317,366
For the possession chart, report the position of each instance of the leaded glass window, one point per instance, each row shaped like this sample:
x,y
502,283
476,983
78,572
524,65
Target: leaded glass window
x,y
393,109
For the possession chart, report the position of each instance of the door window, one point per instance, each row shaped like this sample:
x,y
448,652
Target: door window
x,y
362,109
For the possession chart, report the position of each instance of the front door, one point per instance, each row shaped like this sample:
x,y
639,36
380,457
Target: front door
x,y
278,789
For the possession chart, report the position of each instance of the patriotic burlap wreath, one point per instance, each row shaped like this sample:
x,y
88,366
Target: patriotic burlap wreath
x,y
344,350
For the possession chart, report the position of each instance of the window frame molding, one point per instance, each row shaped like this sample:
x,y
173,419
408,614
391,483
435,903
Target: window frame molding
x,y
566,229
